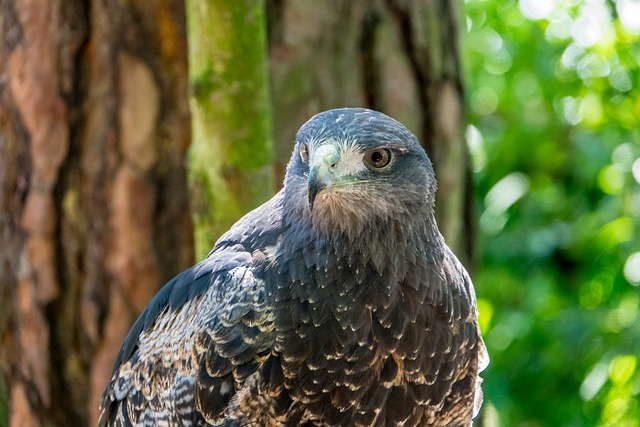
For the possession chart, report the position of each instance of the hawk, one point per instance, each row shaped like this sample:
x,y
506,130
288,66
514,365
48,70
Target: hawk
x,y
335,303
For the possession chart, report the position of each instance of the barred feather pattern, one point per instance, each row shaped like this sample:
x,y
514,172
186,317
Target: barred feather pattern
x,y
195,356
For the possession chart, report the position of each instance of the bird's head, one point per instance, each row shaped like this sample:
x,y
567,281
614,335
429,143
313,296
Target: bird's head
x,y
354,169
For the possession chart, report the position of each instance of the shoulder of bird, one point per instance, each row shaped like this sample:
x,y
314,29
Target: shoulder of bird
x,y
336,303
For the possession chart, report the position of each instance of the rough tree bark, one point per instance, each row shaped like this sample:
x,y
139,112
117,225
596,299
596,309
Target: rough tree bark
x,y
401,57
94,217
231,157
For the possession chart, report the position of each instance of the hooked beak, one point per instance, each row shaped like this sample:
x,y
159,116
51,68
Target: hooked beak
x,y
321,170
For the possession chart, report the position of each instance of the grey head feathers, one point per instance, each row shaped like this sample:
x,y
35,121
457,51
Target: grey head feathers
x,y
360,196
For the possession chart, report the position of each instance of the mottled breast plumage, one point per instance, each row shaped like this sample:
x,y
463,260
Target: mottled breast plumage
x,y
336,303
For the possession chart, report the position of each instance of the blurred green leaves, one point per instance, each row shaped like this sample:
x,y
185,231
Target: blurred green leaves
x,y
554,103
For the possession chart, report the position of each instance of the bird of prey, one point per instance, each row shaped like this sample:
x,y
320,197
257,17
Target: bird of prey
x,y
336,303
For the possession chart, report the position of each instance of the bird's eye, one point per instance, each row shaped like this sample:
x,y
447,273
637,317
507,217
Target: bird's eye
x,y
304,152
378,158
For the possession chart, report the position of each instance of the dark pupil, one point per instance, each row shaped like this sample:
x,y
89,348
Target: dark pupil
x,y
376,157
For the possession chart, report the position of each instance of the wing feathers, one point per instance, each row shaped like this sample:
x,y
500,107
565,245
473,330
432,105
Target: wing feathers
x,y
192,347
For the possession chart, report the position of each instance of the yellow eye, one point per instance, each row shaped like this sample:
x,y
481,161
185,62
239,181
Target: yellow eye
x,y
304,152
378,158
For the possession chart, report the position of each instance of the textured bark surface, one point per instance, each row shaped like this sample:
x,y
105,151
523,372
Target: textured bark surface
x,y
94,218
231,159
400,57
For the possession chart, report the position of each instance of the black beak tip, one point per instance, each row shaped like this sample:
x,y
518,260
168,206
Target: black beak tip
x,y
314,189
312,197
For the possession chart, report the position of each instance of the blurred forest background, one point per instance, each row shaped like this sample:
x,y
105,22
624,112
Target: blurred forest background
x,y
554,94
530,110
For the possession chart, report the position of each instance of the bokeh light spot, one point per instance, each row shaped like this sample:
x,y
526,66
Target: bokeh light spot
x,y
624,315
498,63
620,80
484,101
591,65
537,9
586,31
632,269
629,13
506,192
594,381
615,410
559,28
623,155
502,195
486,40
591,108
500,337
569,107
571,55
611,179
621,368
485,314
475,142
617,231
635,170
591,294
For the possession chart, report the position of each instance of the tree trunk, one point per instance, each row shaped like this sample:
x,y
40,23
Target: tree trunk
x,y
231,169
94,125
397,56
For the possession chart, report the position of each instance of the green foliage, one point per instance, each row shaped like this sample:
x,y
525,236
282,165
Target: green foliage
x,y
554,97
